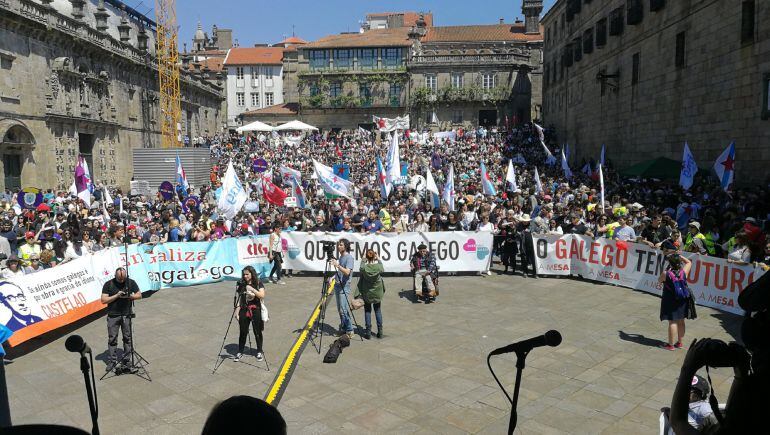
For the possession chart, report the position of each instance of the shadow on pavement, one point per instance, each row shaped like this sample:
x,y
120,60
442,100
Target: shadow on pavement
x,y
641,339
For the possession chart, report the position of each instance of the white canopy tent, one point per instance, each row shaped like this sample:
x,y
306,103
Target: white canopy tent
x,y
255,126
295,125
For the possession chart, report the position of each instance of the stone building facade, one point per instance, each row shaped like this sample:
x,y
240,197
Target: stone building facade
x,y
78,77
476,75
456,75
644,76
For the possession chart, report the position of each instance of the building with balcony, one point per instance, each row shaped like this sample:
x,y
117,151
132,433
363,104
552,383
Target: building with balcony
x,y
645,76
343,80
254,80
443,76
80,77
476,75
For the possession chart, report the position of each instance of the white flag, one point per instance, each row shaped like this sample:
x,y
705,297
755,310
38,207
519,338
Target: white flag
x,y
538,184
540,132
565,165
510,176
689,168
431,183
601,185
233,194
448,194
393,162
549,159
330,182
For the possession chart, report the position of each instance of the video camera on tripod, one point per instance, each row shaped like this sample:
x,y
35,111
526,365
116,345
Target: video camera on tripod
x,y
328,249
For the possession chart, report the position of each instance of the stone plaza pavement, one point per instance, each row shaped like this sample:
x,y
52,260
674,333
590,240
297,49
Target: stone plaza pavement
x,y
427,375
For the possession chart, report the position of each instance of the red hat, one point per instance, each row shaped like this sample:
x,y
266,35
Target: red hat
x,y
29,234
43,207
131,227
245,226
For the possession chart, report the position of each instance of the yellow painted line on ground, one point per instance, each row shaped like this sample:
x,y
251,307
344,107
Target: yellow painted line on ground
x,y
289,362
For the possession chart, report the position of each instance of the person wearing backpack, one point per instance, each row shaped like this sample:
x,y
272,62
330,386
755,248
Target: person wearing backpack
x,y
675,304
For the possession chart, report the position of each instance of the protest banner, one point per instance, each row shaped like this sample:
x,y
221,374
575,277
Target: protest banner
x,y
41,302
457,251
713,281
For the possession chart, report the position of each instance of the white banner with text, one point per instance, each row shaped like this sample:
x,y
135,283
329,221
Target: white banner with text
x,y
714,282
455,251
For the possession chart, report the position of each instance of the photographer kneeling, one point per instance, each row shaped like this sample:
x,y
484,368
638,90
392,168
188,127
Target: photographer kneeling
x,y
747,405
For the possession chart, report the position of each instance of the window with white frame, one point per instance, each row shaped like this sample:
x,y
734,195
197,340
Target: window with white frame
x,y
269,100
458,80
488,80
254,77
255,99
240,99
239,73
430,82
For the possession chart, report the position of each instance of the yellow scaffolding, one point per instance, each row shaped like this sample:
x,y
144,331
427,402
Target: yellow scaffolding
x,y
168,73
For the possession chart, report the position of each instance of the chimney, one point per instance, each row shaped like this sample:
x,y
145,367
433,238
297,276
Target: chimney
x,y
532,10
502,20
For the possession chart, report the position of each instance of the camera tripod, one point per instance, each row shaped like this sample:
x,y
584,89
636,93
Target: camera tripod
x,y
133,362
221,358
323,303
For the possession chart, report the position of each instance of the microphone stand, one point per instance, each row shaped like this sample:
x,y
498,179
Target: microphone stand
x,y
521,357
93,404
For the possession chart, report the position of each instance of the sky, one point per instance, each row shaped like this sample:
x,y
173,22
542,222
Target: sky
x,y
267,22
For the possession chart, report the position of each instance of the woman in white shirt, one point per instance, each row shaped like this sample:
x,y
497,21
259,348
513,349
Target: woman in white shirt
x,y
741,254
485,224
419,225
14,270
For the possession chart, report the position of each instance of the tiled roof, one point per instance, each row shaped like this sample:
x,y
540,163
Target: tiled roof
x,y
492,32
278,109
214,63
254,56
397,37
292,40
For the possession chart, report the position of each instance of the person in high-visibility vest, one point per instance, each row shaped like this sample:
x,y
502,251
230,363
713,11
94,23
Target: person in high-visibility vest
x,y
695,241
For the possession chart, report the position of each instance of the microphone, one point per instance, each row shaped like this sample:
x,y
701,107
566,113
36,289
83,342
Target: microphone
x,y
551,338
75,343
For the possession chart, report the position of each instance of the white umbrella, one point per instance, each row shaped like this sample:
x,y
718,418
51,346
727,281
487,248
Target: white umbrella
x,y
255,126
295,125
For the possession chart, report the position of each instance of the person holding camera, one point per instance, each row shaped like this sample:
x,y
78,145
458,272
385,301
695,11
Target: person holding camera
x,y
675,301
117,294
248,310
746,408
371,289
344,269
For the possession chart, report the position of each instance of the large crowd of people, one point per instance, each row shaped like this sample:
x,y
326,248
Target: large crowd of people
x,y
704,219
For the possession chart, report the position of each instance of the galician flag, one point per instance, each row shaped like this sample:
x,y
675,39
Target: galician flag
x,y
724,167
330,182
487,186
393,161
448,194
689,168
549,158
540,132
233,194
298,193
601,156
382,180
181,176
510,176
538,184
